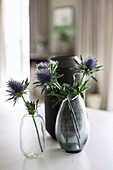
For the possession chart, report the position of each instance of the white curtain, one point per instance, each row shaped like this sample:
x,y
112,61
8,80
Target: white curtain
x,y
14,40
94,37
2,52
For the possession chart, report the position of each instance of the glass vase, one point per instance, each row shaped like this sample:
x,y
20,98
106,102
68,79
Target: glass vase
x,y
32,135
72,125
65,63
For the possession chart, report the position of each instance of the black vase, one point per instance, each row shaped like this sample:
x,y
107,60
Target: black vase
x,y
65,63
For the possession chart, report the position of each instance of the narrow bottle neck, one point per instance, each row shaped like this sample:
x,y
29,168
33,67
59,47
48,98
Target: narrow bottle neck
x,y
32,112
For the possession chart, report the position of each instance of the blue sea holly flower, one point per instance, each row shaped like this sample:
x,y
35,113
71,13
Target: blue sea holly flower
x,y
43,76
47,75
89,63
15,90
42,65
14,87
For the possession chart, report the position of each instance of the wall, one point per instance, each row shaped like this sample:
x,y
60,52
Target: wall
x,y
39,13
59,3
55,45
41,22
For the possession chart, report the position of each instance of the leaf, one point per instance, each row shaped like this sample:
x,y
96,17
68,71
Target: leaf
x,y
37,103
76,61
43,89
79,83
31,106
75,81
81,58
84,66
75,68
75,90
94,78
55,102
9,99
55,66
22,82
84,85
57,85
37,86
82,95
26,82
54,94
85,88
7,91
58,76
36,82
51,68
98,67
77,87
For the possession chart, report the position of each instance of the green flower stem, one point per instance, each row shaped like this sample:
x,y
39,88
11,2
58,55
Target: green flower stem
x,y
74,123
37,133
82,78
23,99
35,127
73,113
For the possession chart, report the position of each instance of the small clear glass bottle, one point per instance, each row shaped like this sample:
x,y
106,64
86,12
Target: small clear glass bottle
x,y
32,135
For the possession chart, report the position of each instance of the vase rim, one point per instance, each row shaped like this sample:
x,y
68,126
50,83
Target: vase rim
x,y
62,57
34,111
73,98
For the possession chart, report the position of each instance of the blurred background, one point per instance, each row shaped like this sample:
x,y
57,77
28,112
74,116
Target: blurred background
x,y
33,30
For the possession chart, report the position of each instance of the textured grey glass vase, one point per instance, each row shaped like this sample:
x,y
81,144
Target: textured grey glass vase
x,y
72,125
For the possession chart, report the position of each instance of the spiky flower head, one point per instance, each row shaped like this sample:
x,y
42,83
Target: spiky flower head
x,y
43,76
16,89
89,63
47,75
42,65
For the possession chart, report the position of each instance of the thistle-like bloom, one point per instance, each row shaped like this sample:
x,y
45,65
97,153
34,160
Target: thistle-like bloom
x,y
47,76
42,65
15,90
43,76
14,87
89,63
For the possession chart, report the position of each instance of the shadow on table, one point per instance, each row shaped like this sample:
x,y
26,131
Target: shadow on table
x,y
37,163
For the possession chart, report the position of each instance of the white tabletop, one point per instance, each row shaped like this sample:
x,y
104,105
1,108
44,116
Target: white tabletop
x,y
97,154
